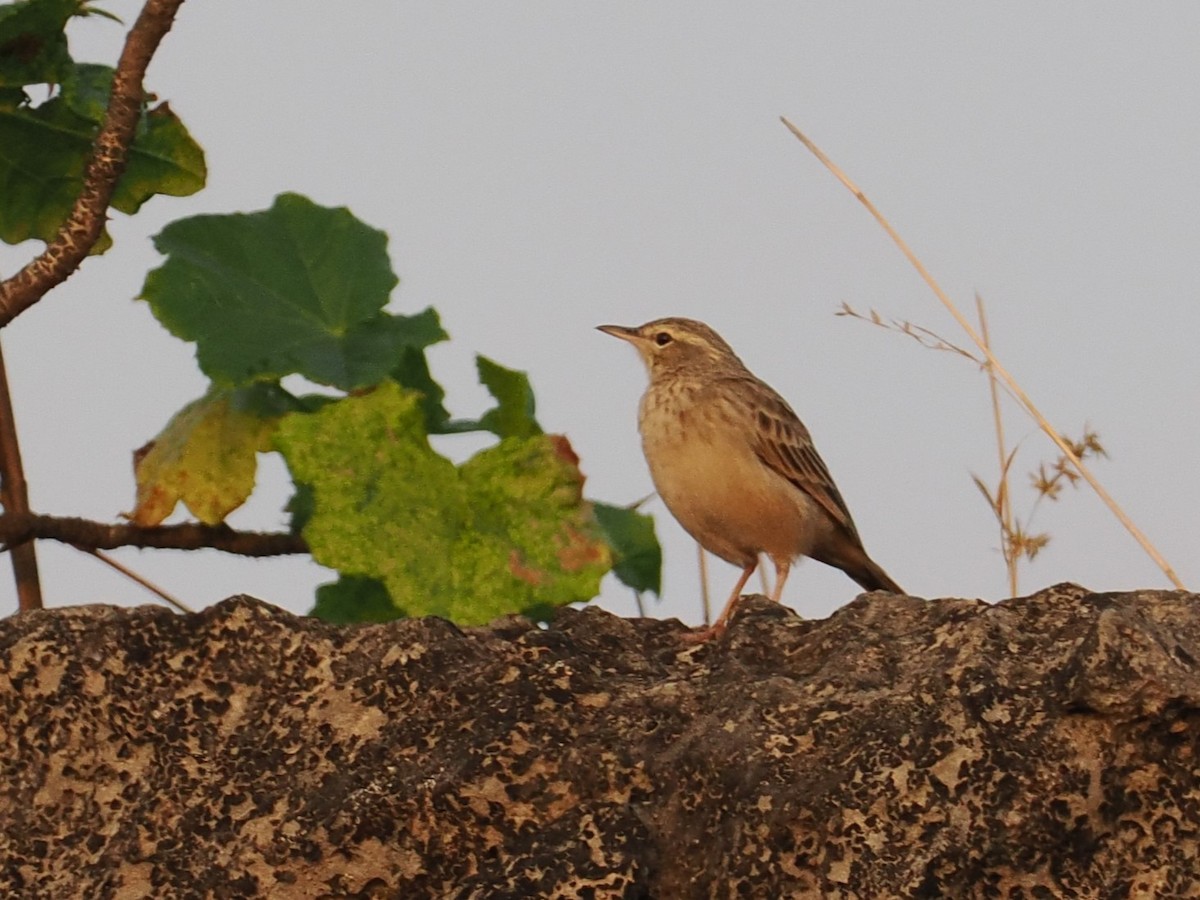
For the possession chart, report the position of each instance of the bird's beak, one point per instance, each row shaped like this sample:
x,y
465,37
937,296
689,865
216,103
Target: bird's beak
x,y
620,331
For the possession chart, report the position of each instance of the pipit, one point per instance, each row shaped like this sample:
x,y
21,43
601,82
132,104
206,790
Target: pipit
x,y
735,466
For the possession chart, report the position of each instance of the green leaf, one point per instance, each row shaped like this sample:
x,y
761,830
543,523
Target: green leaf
x,y
269,400
206,457
420,331
413,372
508,531
86,10
637,554
43,152
300,508
86,88
163,160
513,415
12,98
352,599
295,289
33,44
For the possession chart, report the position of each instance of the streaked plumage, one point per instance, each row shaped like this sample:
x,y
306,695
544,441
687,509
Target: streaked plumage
x,y
733,462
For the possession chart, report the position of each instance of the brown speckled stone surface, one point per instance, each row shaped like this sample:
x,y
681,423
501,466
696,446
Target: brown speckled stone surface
x,y
1044,747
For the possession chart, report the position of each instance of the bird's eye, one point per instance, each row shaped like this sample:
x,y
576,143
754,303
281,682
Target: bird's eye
x,y
662,339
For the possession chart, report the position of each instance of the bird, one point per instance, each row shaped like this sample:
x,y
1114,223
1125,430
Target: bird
x,y
735,465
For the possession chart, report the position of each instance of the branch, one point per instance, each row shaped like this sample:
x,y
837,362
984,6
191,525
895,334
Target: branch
x,y
86,534
15,498
85,224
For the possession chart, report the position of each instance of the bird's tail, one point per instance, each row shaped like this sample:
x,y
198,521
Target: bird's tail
x,y
852,559
873,578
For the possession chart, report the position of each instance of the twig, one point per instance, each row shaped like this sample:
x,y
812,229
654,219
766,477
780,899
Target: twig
x,y
83,227
15,497
993,363
134,576
85,534
924,336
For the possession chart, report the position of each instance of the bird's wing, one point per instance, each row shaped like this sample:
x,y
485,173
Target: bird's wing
x,y
783,443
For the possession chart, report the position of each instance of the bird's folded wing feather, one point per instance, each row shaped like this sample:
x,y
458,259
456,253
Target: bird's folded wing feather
x,y
783,443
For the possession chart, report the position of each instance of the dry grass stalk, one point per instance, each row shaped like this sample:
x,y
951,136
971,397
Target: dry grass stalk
x,y
1017,542
1001,506
995,368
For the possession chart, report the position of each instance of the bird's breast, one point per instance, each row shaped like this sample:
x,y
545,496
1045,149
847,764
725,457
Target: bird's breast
x,y
704,467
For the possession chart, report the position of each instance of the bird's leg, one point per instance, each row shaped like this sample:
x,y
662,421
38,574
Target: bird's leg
x,y
717,627
781,574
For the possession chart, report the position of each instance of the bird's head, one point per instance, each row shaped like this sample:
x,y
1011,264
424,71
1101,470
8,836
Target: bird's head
x,y
673,345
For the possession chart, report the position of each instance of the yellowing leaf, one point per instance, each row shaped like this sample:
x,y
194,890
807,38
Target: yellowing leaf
x,y
206,457
508,531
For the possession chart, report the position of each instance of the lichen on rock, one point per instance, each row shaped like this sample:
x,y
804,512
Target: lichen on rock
x,y
1045,746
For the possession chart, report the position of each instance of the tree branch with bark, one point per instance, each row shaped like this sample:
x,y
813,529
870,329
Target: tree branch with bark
x,y
66,252
110,152
19,528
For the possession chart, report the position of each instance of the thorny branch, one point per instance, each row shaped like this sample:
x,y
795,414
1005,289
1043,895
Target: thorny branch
x,y
83,227
63,255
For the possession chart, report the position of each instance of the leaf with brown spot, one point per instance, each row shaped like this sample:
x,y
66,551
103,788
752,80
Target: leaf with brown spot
x,y
507,531
206,457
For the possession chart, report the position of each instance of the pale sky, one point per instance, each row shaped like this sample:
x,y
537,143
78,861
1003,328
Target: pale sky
x,y
542,168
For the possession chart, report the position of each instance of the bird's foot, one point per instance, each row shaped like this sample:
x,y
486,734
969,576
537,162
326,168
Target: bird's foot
x,y
703,634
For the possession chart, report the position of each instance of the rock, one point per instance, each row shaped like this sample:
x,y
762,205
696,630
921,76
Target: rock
x,y
1046,746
